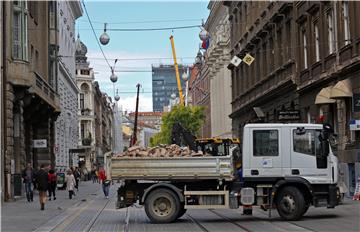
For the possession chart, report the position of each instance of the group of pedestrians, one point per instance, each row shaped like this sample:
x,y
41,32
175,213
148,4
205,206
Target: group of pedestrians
x,y
45,181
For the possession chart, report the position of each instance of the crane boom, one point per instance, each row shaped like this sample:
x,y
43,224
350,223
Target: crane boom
x,y
177,71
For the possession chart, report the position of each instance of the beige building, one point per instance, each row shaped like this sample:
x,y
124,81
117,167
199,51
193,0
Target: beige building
x,y
86,107
104,130
31,99
217,59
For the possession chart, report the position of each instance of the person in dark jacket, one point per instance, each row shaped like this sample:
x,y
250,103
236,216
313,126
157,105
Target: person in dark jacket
x,y
28,178
42,183
52,184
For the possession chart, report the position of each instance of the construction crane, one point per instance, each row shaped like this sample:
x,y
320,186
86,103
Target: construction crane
x,y
181,96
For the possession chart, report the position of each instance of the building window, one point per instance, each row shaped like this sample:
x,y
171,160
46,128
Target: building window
x,y
20,30
266,142
82,104
331,32
305,49
345,8
84,72
82,130
317,42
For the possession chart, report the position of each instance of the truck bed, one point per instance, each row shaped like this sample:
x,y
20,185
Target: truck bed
x,y
170,168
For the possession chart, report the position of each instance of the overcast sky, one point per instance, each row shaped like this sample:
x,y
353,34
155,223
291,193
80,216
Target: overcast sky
x,y
144,44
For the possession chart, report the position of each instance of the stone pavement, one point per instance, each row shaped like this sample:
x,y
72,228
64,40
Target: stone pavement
x,y
27,216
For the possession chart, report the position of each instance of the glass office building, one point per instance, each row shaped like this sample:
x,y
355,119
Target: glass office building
x,y
164,84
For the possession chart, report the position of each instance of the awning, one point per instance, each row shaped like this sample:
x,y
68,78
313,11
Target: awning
x,y
323,97
341,89
259,112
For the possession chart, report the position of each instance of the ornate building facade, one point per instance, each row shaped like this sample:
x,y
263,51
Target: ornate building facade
x,y
86,108
306,69
66,126
216,60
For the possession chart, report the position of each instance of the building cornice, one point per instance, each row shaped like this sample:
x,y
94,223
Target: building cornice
x,y
68,77
76,8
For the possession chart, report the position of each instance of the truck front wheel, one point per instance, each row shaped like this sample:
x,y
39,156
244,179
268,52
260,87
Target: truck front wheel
x,y
162,206
290,203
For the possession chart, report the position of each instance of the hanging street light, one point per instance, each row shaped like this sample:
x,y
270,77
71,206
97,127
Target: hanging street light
x,y
204,34
198,58
104,38
185,76
117,97
113,77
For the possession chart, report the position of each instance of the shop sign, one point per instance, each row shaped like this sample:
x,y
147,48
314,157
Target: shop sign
x,y
40,143
356,102
284,115
354,124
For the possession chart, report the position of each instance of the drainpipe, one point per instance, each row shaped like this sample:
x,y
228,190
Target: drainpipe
x,y
2,99
336,34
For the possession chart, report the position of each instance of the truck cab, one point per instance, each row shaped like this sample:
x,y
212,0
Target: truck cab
x,y
288,151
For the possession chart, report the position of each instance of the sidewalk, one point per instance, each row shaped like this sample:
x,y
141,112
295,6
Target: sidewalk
x,y
27,216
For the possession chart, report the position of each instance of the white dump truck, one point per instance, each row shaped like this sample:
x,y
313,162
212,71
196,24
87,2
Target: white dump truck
x,y
284,166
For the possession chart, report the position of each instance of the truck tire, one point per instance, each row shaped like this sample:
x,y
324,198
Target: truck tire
x,y
290,203
182,211
162,206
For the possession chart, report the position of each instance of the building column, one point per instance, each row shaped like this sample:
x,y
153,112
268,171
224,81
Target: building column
x,y
9,140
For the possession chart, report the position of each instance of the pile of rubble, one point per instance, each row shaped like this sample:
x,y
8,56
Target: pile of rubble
x,y
172,150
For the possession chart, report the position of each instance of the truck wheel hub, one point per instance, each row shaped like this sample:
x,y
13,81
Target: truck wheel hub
x,y
288,203
162,206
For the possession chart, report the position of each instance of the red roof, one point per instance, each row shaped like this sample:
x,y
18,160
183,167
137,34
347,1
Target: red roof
x,y
147,114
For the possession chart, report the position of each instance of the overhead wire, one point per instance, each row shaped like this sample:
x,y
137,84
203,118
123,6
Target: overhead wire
x,y
150,21
102,51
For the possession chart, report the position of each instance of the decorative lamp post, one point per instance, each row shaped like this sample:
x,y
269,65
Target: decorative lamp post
x,y
104,38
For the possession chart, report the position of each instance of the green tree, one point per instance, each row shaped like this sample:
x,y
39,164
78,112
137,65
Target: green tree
x,y
190,117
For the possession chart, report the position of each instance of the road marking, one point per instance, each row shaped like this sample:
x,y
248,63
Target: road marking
x,y
127,219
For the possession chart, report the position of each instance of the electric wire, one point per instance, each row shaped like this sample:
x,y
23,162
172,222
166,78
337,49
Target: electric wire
x,y
144,22
83,2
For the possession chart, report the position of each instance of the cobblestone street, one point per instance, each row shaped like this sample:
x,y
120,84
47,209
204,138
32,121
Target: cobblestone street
x,y
90,211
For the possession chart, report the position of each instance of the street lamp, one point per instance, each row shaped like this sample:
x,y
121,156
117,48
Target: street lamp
x,y
104,38
198,58
185,77
117,97
204,34
113,77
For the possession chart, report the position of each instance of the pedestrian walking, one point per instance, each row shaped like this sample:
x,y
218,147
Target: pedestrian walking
x,y
70,183
28,179
42,181
52,184
97,176
93,175
105,183
77,178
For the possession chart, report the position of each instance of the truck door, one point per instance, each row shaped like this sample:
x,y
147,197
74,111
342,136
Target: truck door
x,y
266,152
305,145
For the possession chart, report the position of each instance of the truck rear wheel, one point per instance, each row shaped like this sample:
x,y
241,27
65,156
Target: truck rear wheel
x,y
290,203
162,206
182,211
